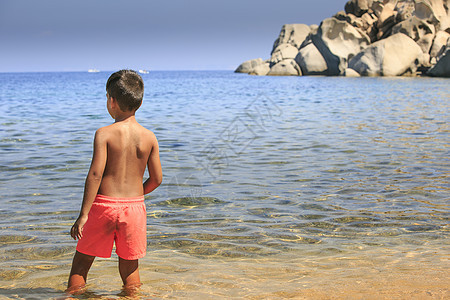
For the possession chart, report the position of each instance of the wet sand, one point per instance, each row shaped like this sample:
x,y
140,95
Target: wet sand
x,y
172,275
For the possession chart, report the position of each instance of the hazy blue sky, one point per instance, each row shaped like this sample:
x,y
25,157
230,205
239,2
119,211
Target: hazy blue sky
x,y
63,35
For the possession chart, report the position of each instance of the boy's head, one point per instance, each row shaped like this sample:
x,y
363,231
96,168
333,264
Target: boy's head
x,y
127,88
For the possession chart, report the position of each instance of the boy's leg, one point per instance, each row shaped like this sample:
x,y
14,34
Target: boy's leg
x,y
78,274
129,271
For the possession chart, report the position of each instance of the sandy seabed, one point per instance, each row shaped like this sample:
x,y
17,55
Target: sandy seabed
x,y
173,275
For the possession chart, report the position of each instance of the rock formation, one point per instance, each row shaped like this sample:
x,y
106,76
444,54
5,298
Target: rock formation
x,y
369,38
392,56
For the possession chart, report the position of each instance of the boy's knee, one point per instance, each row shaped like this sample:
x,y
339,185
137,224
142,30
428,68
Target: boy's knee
x,y
83,259
84,256
124,263
123,260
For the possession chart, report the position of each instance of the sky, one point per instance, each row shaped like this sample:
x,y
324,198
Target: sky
x,y
63,35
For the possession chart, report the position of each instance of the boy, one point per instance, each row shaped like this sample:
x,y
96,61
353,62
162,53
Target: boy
x,y
113,208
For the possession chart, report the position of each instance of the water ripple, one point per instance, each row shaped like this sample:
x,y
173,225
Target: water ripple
x,y
253,167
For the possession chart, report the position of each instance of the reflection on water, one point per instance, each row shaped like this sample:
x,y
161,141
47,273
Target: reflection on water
x,y
273,187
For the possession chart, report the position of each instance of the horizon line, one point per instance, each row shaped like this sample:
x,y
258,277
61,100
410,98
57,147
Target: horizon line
x,y
103,71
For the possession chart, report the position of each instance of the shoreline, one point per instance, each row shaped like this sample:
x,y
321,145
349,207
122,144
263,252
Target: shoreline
x,y
287,275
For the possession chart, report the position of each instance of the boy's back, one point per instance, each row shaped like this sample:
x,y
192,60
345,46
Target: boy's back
x,y
128,147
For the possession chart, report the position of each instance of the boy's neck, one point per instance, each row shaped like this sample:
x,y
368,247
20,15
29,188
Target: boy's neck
x,y
124,116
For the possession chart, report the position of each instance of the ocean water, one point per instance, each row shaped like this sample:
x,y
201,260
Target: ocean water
x,y
274,187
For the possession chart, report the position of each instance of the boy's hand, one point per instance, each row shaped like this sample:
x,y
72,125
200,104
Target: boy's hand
x,y
77,229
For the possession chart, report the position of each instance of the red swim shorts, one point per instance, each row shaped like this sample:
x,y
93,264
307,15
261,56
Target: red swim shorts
x,y
119,220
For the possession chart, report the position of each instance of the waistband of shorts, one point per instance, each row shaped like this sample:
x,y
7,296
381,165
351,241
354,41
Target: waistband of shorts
x,y
118,200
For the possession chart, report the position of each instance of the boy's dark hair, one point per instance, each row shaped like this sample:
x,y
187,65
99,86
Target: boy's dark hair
x,y
127,87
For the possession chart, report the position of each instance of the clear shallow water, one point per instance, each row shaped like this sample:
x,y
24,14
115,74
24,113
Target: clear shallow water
x,y
273,187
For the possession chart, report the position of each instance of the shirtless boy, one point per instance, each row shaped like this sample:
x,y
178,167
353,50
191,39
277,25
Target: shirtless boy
x,y
113,208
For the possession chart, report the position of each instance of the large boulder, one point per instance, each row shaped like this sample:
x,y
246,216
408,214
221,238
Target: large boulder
x,y
311,60
282,52
286,67
369,62
261,69
417,29
338,41
439,44
293,34
392,56
442,67
435,12
249,65
358,7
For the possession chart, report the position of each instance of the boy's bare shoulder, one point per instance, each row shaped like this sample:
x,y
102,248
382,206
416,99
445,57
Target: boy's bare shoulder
x,y
104,131
109,132
148,134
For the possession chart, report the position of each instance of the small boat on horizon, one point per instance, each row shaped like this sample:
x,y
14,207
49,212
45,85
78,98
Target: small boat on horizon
x,y
93,71
143,71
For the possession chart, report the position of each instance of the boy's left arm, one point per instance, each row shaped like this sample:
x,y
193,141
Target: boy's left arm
x,y
154,169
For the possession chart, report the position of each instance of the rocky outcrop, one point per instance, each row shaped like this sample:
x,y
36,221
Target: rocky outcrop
x,y
369,38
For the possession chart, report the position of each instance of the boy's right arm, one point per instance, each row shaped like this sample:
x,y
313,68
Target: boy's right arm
x,y
93,180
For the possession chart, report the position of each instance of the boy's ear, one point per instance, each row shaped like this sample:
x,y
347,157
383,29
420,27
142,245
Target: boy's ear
x,y
113,101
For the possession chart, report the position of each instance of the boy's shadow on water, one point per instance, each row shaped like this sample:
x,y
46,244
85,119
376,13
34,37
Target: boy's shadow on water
x,y
49,293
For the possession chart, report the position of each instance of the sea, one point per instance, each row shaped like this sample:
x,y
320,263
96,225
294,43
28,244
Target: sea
x,y
274,187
